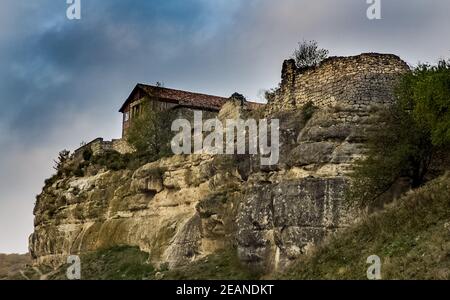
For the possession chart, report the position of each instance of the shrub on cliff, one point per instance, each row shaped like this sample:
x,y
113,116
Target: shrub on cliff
x,y
63,157
426,94
412,133
309,54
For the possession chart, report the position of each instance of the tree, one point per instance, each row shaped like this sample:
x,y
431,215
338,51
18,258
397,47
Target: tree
x,y
238,97
410,135
309,54
150,133
426,92
63,156
270,94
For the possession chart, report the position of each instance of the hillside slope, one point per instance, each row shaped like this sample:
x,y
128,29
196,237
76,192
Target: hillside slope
x,y
11,264
411,236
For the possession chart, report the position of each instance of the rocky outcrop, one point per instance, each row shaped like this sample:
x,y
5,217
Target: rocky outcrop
x,y
288,210
154,207
183,208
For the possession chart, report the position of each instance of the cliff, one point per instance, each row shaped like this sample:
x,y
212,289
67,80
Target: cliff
x,y
411,236
183,208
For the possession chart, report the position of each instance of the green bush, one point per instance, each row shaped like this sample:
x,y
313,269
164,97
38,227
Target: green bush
x,y
87,154
117,263
426,94
115,161
150,132
410,134
50,181
112,160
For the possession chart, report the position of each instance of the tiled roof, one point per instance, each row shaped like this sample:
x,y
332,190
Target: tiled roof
x,y
195,100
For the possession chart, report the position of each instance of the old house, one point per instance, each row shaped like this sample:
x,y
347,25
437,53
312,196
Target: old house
x,y
160,98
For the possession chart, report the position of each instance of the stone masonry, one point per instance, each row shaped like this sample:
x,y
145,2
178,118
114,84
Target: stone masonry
x,y
357,81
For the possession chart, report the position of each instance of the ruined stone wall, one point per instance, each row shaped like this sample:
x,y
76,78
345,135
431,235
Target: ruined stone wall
x,y
356,81
98,146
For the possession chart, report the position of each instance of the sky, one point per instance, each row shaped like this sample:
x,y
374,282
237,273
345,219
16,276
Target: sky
x,y
62,81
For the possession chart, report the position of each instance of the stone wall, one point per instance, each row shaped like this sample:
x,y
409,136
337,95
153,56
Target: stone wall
x,y
99,146
356,81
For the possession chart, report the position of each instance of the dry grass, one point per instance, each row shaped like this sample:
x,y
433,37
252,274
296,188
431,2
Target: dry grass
x,y
12,264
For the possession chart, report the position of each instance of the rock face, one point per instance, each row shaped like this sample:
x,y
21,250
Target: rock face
x,y
295,206
182,208
279,222
288,210
154,207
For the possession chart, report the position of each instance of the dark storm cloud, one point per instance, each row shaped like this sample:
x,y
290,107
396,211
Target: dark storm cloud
x,y
48,71
63,81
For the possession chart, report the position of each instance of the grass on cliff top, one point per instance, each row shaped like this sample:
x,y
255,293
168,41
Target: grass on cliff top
x,y
412,238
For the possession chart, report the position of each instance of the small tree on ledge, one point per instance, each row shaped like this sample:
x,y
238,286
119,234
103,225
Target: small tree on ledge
x,y
63,156
150,132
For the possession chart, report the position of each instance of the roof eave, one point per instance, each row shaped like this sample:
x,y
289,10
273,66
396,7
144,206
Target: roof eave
x,y
122,108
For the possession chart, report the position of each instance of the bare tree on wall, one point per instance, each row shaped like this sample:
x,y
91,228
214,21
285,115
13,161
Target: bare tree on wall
x,y
309,54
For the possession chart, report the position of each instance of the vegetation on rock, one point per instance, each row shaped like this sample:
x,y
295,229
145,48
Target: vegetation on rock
x,y
150,132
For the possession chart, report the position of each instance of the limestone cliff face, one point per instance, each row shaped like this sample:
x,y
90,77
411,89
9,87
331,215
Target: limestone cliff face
x,y
182,208
290,209
169,208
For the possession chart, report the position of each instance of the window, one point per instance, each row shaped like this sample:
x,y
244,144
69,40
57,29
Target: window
x,y
126,117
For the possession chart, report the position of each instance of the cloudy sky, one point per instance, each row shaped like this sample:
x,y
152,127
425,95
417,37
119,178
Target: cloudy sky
x,y
62,81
